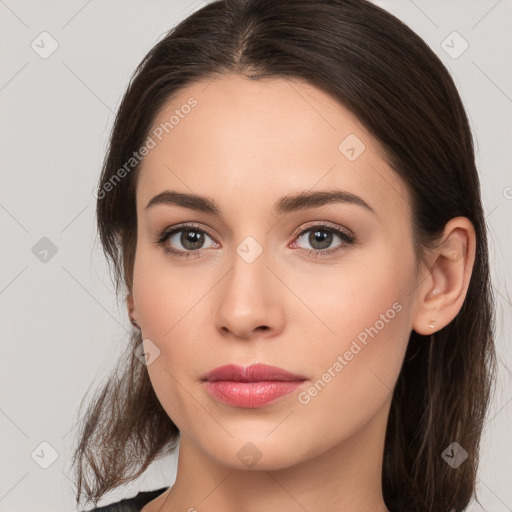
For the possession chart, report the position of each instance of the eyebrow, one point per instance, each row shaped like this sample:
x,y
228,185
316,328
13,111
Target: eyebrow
x,y
286,204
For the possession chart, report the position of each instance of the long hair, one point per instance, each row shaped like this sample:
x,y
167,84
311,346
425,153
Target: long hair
x,y
389,78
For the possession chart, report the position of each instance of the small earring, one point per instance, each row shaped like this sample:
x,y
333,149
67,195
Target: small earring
x,y
431,324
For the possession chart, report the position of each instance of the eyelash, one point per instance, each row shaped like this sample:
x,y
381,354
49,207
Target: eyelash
x,y
314,253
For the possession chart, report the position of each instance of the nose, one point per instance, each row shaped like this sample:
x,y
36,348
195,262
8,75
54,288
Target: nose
x,y
250,303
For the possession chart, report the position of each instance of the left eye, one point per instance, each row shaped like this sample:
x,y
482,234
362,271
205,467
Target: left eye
x,y
320,238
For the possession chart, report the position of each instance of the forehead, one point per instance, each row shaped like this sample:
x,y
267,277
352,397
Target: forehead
x,y
246,142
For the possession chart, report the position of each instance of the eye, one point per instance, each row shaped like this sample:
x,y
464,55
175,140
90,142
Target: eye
x,y
320,238
191,238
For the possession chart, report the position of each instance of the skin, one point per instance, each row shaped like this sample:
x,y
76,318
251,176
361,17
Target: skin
x,y
245,145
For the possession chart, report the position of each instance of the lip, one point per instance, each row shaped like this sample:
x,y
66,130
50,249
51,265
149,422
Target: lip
x,y
256,372
250,386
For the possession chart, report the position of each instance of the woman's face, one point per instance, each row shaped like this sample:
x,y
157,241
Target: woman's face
x,y
260,281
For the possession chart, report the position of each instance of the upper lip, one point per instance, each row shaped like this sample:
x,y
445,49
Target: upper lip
x,y
253,373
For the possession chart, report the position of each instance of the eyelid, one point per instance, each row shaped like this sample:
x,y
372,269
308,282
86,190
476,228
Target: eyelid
x,y
324,224
186,225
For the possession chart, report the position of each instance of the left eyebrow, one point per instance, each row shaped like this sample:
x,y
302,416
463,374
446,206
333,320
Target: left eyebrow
x,y
286,204
305,200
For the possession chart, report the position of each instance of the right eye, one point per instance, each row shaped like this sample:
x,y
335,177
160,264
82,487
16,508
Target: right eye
x,y
189,236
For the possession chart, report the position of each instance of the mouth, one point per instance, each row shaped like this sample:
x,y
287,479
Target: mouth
x,y
252,386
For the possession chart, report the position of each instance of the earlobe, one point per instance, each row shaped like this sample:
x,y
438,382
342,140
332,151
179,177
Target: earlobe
x,y
131,310
444,290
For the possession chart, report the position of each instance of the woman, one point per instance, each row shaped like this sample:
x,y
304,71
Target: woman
x,y
291,203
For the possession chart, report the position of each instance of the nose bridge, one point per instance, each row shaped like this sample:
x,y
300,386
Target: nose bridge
x,y
249,274
249,299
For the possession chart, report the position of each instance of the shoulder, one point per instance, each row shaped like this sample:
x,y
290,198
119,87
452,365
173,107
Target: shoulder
x,y
134,504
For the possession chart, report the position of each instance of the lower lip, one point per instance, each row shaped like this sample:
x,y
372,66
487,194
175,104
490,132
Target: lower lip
x,y
251,394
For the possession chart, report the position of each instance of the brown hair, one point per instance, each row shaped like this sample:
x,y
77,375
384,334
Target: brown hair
x,y
398,88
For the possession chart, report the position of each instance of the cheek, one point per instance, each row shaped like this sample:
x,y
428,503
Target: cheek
x,y
162,300
367,309
165,308
352,296
162,294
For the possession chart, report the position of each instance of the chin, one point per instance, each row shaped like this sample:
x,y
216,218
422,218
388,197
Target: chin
x,y
254,452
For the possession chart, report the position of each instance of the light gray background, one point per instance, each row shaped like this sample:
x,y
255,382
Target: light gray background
x,y
62,328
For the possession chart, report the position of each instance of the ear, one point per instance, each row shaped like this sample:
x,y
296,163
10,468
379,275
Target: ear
x,y
443,289
132,313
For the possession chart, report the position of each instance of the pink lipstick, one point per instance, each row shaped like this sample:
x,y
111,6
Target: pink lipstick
x,y
251,386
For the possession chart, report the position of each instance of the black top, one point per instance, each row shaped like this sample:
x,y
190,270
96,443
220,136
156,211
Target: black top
x,y
134,504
